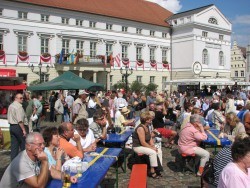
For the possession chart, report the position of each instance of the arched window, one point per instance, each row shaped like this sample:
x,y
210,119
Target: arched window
x,y
221,58
205,57
213,21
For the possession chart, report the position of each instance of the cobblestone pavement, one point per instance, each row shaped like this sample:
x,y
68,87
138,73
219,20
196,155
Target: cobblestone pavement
x,y
173,177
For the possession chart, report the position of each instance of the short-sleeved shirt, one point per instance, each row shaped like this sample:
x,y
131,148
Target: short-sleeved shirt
x,y
87,141
38,106
119,122
232,177
70,149
51,159
97,130
16,114
21,168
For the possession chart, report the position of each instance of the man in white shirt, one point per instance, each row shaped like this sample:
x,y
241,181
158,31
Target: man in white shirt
x,y
70,100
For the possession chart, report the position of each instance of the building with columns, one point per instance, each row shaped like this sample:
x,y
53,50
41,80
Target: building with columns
x,y
127,32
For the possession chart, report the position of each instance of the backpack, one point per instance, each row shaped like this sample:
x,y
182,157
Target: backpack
x,y
208,173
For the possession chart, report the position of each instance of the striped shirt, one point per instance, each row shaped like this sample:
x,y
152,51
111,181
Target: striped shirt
x,y
220,161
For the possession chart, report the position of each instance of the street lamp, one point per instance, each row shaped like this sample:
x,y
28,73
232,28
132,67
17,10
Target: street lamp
x,y
171,55
128,72
32,67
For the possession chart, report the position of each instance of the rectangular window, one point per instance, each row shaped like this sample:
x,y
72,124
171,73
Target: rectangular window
x,y
152,54
235,73
1,12
44,18
164,55
24,76
221,37
164,35
189,19
92,24
92,49
65,46
44,77
79,46
164,84
1,41
124,29
152,33
124,51
111,80
139,79
109,49
65,21
152,79
242,74
138,31
79,22
44,45
204,33
22,43
22,15
182,21
138,53
109,26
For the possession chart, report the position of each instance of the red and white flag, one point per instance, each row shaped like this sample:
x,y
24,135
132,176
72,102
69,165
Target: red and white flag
x,y
118,60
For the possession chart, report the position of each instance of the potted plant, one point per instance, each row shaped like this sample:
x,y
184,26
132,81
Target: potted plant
x,y
165,64
141,61
46,54
152,61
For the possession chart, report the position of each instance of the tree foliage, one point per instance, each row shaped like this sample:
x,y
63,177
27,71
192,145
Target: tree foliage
x,y
151,87
137,86
120,85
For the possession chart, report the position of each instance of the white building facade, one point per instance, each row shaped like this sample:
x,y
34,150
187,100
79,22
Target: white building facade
x,y
42,28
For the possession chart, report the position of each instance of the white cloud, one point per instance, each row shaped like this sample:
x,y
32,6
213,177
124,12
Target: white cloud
x,y
171,5
243,19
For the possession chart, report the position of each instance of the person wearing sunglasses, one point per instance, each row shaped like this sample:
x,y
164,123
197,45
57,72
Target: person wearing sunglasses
x,y
18,125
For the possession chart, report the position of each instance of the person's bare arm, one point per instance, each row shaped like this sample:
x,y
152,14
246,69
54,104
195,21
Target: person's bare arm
x,y
42,179
141,134
77,139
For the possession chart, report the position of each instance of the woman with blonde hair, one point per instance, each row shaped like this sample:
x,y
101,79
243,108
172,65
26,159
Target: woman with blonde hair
x,y
143,142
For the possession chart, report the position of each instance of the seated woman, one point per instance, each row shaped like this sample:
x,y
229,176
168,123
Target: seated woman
x,y
189,140
88,140
237,173
56,156
143,142
54,153
233,126
217,118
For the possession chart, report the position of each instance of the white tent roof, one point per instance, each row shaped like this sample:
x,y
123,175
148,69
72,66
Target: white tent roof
x,y
201,81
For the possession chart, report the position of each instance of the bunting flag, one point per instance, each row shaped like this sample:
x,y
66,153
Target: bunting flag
x,y
154,65
72,58
45,59
126,62
3,57
138,64
111,61
23,58
118,60
61,57
166,66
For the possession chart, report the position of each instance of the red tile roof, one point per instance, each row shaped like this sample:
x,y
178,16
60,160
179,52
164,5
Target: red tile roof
x,y
135,10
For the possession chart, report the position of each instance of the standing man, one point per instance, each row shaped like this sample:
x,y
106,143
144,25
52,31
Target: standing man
x,y
120,100
79,106
30,168
70,100
39,108
18,125
150,98
52,100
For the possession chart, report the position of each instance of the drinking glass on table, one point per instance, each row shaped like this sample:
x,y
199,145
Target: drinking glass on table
x,y
66,176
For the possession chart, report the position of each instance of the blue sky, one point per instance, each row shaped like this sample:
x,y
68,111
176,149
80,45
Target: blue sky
x,y
236,11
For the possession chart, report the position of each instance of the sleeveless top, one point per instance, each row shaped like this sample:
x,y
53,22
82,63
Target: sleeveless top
x,y
135,136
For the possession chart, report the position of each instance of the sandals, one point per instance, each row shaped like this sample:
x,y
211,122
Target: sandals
x,y
153,175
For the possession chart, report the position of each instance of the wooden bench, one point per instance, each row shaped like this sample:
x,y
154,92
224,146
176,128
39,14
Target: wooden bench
x,y
138,177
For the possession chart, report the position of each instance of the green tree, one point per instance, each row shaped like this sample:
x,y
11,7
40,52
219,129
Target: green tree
x,y
151,87
120,85
137,86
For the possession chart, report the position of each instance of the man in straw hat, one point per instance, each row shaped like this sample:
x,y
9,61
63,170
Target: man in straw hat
x,y
122,121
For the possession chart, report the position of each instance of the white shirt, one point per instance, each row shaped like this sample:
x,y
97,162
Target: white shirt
x,y
85,142
69,100
117,115
91,103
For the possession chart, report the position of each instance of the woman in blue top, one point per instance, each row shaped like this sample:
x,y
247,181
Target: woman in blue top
x,y
54,153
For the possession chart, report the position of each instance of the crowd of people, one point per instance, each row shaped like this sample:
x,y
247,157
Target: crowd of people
x,y
84,120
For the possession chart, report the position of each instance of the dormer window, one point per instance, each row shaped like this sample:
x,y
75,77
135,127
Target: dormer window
x,y
213,21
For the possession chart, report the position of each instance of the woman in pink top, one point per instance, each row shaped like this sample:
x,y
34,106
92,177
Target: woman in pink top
x,y
237,173
189,140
